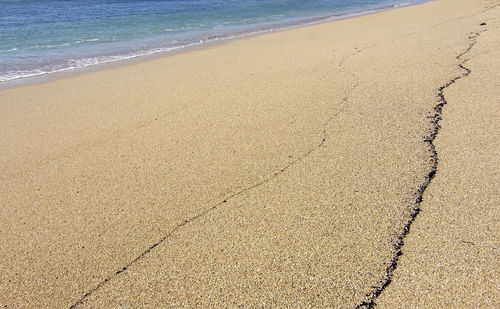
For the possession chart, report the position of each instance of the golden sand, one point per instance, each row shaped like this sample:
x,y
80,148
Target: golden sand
x,y
274,171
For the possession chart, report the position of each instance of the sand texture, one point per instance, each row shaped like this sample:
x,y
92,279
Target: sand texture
x,y
451,257
281,170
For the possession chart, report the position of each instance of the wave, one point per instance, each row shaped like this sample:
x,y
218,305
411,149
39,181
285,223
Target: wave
x,y
230,33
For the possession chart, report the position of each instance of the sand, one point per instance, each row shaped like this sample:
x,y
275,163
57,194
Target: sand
x,y
272,171
451,257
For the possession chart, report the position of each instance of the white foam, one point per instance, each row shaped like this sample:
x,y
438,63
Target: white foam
x,y
73,64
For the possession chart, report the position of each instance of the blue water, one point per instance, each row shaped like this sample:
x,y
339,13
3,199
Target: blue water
x,y
44,36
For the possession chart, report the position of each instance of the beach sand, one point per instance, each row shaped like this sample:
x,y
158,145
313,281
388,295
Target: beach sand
x,y
272,171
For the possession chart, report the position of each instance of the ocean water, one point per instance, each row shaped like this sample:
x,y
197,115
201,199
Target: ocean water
x,y
44,36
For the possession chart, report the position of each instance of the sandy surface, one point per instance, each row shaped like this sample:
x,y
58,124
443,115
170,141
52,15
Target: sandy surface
x,y
277,170
451,257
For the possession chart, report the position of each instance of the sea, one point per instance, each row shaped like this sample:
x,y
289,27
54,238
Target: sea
x,y
39,37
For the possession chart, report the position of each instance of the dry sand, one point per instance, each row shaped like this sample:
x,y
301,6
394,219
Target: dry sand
x,y
451,257
278,170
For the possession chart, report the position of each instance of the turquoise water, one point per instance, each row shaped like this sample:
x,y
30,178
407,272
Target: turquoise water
x,y
43,36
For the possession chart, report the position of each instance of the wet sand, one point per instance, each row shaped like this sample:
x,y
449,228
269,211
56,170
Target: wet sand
x,y
278,170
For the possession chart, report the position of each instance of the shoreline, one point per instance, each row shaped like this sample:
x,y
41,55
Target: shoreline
x,y
225,38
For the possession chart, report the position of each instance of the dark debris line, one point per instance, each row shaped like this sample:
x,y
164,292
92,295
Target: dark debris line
x,y
344,101
398,245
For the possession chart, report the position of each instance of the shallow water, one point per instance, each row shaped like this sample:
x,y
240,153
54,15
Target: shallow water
x,y
44,36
